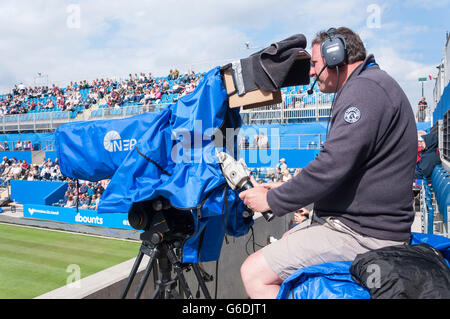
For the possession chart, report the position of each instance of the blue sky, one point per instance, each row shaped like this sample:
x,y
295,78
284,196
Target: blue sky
x,y
80,39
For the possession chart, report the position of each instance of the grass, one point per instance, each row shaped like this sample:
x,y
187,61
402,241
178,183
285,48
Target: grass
x,y
34,261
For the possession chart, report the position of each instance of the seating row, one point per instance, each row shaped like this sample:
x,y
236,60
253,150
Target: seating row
x,y
440,180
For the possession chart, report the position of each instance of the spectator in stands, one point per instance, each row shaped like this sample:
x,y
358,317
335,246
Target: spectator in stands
x,y
421,115
27,146
97,199
278,177
55,173
286,175
93,202
255,141
429,157
71,187
5,146
157,95
244,144
98,188
34,173
45,173
2,178
28,176
47,163
104,183
149,96
300,216
90,190
170,76
297,171
176,74
263,141
84,188
5,160
18,146
420,144
25,165
70,202
6,172
85,200
282,165
420,148
16,171
176,88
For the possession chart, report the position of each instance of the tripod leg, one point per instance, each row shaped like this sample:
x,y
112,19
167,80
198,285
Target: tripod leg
x,y
136,264
201,281
179,271
183,282
144,279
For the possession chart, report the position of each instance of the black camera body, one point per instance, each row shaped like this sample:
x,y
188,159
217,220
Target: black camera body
x,y
160,221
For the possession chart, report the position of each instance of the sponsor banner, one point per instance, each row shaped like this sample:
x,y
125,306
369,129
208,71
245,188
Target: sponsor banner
x,y
70,215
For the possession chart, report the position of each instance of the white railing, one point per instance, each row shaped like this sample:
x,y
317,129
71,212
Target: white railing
x,y
293,107
443,75
41,121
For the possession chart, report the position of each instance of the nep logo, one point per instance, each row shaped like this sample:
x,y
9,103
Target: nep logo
x,y
114,143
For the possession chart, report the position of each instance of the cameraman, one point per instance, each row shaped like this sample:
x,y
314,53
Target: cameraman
x,y
360,182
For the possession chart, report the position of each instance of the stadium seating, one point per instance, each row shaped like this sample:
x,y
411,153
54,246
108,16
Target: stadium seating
x,y
436,200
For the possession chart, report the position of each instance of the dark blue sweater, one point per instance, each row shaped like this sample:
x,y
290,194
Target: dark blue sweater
x,y
429,158
364,173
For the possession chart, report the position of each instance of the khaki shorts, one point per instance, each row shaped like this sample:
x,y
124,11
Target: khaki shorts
x,y
323,240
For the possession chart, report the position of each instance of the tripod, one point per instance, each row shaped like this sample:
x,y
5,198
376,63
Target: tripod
x,y
163,258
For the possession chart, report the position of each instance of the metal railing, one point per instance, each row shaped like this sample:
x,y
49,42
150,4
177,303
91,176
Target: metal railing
x,y
42,121
293,108
282,142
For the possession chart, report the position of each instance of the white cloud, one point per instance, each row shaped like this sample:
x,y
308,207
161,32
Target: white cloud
x,y
149,36
406,72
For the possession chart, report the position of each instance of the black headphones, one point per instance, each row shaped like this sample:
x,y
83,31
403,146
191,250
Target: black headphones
x,y
334,49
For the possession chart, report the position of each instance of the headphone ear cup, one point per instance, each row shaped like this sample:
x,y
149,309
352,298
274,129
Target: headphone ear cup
x,y
334,50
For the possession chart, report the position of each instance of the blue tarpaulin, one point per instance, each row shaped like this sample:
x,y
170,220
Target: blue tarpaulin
x,y
333,280
169,154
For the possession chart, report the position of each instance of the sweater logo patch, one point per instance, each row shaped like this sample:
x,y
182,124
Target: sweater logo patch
x,y
352,115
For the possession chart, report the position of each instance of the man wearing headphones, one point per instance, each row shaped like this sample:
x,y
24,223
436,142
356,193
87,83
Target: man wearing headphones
x,y
360,182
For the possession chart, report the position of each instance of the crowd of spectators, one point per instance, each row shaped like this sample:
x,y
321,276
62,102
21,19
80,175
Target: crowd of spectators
x,y
11,168
87,193
40,98
84,194
17,146
281,173
259,141
145,89
139,88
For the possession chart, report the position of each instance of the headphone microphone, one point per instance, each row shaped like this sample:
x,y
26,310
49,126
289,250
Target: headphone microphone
x,y
310,91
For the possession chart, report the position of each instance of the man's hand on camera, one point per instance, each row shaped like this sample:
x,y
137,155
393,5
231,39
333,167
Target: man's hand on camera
x,y
256,198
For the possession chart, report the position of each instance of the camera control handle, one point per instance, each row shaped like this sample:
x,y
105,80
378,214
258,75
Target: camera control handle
x,y
268,216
